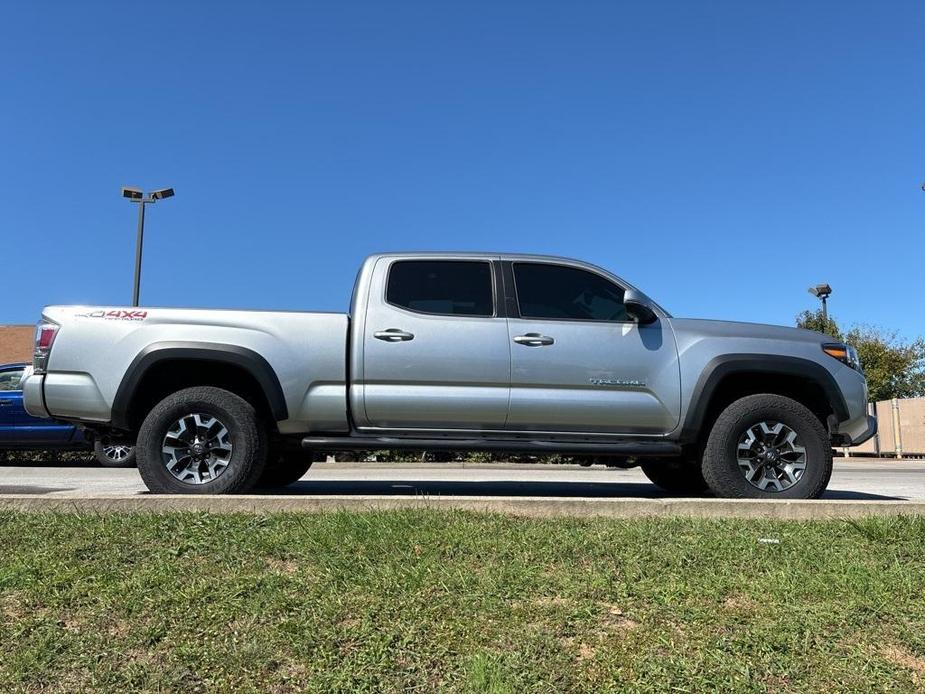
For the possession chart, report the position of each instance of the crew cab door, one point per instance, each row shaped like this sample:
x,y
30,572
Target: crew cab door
x,y
436,353
579,361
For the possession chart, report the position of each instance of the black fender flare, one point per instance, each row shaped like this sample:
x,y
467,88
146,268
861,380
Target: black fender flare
x,y
158,352
765,364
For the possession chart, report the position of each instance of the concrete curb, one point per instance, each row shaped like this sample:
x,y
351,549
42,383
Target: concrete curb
x,y
580,507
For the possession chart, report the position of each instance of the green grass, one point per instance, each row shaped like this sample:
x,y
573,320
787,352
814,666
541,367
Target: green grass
x,y
460,602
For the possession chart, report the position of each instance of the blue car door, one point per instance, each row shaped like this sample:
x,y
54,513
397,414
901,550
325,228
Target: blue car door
x,y
11,408
18,427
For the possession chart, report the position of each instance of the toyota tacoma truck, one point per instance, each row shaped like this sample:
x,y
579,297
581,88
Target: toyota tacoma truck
x,y
456,352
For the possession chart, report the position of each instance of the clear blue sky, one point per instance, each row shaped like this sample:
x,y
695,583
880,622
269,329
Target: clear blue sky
x,y
722,156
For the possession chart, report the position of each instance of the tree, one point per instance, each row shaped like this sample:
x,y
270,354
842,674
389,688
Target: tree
x,y
894,367
814,320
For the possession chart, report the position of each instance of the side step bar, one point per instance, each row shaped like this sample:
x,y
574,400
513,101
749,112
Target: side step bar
x,y
622,449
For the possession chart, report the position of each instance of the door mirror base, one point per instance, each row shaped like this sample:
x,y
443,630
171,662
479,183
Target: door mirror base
x,y
637,308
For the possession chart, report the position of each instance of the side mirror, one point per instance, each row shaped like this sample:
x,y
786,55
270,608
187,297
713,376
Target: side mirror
x,y
636,307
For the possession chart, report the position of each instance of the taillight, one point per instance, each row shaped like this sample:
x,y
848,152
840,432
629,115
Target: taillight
x,y
45,333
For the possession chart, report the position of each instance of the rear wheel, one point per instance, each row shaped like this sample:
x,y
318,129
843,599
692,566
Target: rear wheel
x,y
768,447
201,440
676,475
113,452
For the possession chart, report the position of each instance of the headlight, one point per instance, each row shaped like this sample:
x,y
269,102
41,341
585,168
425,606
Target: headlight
x,y
846,354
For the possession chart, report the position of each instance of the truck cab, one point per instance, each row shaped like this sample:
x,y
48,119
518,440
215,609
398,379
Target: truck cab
x,y
515,344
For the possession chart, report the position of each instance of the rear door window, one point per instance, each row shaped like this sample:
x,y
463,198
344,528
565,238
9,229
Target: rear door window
x,y
442,287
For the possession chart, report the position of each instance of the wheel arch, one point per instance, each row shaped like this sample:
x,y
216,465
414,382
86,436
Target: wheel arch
x,y
204,363
729,377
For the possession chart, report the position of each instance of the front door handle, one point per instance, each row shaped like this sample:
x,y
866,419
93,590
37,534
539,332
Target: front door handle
x,y
393,335
533,340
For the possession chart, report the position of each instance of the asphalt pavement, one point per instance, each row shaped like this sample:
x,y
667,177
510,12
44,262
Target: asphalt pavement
x,y
864,479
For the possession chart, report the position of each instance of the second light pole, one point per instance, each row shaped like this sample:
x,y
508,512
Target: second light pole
x,y
137,195
822,292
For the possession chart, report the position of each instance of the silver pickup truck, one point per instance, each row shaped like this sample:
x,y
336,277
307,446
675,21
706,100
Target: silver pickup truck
x,y
461,352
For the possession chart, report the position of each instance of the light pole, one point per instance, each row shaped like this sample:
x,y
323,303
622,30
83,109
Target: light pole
x,y
137,196
822,292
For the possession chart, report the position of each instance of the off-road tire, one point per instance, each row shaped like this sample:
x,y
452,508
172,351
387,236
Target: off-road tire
x,y
247,434
100,452
721,469
676,475
284,468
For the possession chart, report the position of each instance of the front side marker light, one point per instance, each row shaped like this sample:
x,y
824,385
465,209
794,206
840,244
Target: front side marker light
x,y
846,354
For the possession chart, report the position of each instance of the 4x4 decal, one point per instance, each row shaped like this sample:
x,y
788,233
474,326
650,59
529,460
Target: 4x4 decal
x,y
115,314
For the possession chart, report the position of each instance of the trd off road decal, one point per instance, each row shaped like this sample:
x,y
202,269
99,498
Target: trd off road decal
x,y
617,382
115,314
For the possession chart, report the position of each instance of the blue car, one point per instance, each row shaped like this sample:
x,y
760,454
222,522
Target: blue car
x,y
21,431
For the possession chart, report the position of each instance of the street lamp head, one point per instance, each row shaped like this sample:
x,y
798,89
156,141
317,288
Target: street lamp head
x,y
821,291
132,193
162,193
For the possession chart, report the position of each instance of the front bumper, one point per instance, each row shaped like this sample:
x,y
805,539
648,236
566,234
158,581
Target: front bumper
x,y
858,431
32,396
860,425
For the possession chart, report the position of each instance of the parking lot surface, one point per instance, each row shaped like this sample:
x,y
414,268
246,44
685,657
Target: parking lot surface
x,y
855,480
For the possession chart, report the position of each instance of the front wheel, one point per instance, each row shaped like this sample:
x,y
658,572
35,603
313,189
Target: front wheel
x,y
201,440
767,447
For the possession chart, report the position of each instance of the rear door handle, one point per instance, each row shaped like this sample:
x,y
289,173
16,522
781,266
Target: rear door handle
x,y
533,340
393,335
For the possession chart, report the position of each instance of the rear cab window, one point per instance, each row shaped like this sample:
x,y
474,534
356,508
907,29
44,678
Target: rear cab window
x,y
442,287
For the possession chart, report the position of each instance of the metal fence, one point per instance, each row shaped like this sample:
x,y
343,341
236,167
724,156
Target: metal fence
x,y
901,430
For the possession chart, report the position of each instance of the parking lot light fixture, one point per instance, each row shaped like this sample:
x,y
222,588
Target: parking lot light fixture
x,y
138,196
822,292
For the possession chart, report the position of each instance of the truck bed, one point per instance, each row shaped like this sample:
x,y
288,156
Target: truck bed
x,y
305,350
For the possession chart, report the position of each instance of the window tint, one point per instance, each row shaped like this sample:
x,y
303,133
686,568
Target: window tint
x,y
450,287
559,292
9,380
